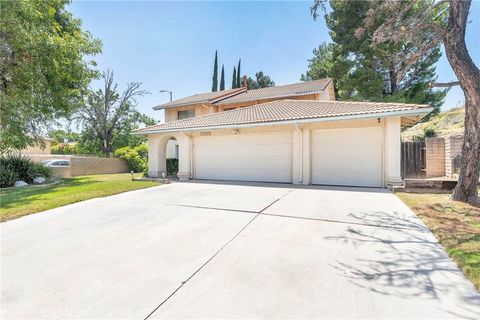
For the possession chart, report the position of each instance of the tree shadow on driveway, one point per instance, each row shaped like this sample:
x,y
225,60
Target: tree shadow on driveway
x,y
406,261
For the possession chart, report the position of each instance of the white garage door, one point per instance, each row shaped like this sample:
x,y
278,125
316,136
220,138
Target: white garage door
x,y
247,157
347,157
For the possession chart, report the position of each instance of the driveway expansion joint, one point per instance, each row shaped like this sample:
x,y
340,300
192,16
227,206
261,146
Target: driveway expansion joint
x,y
261,212
217,252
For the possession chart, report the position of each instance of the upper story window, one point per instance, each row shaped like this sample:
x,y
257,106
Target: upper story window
x,y
185,114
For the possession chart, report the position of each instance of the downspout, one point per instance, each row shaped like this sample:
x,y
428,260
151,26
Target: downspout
x,y
191,152
301,151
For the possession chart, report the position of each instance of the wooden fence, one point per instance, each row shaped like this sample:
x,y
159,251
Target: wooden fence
x,y
413,159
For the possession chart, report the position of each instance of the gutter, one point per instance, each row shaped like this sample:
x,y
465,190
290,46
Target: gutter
x,y
423,112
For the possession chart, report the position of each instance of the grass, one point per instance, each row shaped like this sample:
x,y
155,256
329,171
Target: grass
x,y
18,202
450,122
455,224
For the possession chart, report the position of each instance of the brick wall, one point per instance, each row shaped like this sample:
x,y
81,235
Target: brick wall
x,y
453,147
435,157
85,165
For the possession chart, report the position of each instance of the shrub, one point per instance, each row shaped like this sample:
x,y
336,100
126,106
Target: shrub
x,y
65,148
18,167
429,132
136,158
40,170
7,176
172,166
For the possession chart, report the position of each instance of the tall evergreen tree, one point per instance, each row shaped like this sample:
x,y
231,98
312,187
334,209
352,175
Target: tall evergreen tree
x,y
239,84
222,79
234,78
363,72
215,74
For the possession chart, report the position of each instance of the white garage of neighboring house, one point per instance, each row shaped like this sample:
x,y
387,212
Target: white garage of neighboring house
x,y
289,141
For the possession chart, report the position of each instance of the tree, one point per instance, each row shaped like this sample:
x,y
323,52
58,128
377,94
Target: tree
x,y
42,68
261,81
445,22
239,84
215,74
363,72
59,135
234,78
222,79
106,116
322,63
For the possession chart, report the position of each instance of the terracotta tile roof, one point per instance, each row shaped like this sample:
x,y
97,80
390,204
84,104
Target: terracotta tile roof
x,y
285,110
296,89
199,98
240,94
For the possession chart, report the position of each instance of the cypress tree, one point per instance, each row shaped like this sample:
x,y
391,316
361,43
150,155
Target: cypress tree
x,y
222,79
215,74
234,78
238,74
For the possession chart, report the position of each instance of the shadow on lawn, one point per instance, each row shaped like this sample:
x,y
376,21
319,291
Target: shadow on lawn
x,y
405,262
25,195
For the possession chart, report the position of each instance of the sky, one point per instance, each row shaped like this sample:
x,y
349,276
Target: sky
x,y
171,45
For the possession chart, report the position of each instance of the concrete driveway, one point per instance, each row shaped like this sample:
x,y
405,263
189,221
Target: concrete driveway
x,y
213,250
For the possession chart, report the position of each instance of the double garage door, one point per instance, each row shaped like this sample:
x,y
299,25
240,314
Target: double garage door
x,y
247,157
347,157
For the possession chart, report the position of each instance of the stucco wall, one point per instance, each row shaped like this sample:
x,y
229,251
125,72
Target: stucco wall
x,y
301,158
435,157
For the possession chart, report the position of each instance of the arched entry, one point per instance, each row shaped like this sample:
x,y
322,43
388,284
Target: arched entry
x,y
169,146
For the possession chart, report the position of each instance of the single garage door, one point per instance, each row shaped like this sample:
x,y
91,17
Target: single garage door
x,y
347,157
247,157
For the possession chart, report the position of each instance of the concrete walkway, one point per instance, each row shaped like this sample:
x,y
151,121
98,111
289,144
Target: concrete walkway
x,y
220,250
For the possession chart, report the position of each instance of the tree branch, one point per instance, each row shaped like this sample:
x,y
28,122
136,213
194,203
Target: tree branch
x,y
444,84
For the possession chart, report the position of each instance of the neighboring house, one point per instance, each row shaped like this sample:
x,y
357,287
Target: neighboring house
x,y
38,149
293,134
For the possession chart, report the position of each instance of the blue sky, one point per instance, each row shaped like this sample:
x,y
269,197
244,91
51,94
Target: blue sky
x,y
171,45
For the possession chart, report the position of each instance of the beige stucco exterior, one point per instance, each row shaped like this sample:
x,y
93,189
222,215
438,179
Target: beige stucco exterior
x,y
301,146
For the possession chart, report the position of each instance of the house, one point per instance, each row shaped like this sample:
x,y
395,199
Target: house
x,y
295,134
38,148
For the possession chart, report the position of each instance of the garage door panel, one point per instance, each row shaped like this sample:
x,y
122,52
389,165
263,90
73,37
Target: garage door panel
x,y
349,157
248,157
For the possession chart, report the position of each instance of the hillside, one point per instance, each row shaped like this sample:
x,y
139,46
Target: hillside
x,y
446,123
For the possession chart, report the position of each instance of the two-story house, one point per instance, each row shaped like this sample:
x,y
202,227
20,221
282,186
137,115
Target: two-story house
x,y
293,133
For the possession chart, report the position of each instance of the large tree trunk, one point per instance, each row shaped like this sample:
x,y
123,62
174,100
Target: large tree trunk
x,y
469,78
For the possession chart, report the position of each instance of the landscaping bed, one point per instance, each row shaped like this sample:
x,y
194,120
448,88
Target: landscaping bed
x,y
17,202
455,224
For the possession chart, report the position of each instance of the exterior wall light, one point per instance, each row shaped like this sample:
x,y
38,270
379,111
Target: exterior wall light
x,y
236,131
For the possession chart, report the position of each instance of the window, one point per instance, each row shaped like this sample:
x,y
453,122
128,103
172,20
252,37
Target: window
x,y
228,109
185,114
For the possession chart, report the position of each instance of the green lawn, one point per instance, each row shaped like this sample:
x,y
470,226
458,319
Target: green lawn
x,y
18,202
455,224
